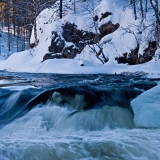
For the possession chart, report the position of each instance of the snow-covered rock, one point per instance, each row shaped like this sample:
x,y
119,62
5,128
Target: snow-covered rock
x,y
146,108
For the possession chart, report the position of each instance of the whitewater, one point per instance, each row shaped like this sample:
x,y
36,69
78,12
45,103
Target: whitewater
x,y
80,109
87,117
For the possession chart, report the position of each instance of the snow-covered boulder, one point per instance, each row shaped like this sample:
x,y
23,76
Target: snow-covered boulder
x,y
146,108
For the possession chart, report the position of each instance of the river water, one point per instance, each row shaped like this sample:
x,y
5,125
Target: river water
x,y
73,117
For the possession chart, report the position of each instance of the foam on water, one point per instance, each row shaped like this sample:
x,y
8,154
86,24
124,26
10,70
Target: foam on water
x,y
18,88
36,142
80,121
51,133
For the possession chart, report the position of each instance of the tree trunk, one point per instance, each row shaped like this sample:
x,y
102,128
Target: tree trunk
x,y
134,8
146,6
156,12
141,6
60,9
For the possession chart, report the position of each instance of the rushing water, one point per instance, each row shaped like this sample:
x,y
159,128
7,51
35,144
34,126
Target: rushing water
x,y
73,117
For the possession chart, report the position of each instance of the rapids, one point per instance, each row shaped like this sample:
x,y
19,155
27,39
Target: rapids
x,y
74,117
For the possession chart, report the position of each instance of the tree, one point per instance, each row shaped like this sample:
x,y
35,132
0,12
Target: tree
x,y
20,16
140,9
155,6
35,7
60,10
92,25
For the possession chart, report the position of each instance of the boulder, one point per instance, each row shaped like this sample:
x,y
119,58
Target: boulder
x,y
133,58
57,44
149,52
108,28
70,52
72,34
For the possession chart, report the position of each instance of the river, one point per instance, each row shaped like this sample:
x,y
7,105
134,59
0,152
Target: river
x,y
73,117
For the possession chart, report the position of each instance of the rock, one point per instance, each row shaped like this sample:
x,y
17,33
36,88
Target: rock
x,y
122,59
130,58
81,46
72,34
148,53
95,18
32,45
70,52
108,28
133,58
57,44
105,15
78,40
51,56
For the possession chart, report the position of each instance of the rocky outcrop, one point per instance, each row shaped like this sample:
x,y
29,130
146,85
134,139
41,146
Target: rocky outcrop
x,y
57,44
70,51
72,34
148,53
133,58
108,28
130,58
59,49
78,40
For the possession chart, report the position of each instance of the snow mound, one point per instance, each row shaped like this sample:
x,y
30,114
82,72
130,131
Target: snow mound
x,y
146,108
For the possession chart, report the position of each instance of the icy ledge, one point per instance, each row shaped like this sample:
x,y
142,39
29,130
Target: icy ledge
x,y
146,108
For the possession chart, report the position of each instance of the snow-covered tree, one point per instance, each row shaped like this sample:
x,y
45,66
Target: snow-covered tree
x,y
155,5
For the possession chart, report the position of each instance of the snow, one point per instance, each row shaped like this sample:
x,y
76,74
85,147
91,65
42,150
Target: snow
x,y
4,50
86,62
146,108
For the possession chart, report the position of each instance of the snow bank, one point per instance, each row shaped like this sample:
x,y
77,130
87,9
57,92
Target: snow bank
x,y
146,108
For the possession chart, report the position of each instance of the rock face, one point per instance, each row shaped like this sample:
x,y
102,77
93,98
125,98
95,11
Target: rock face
x,y
133,58
148,53
77,39
108,28
72,34
57,44
59,49
70,51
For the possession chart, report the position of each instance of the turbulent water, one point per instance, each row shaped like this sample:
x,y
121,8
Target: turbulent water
x,y
73,117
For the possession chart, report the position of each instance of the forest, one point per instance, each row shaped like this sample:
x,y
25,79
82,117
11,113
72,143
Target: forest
x,y
19,17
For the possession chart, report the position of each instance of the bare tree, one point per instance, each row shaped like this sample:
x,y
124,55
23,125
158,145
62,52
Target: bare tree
x,y
92,19
155,6
60,9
